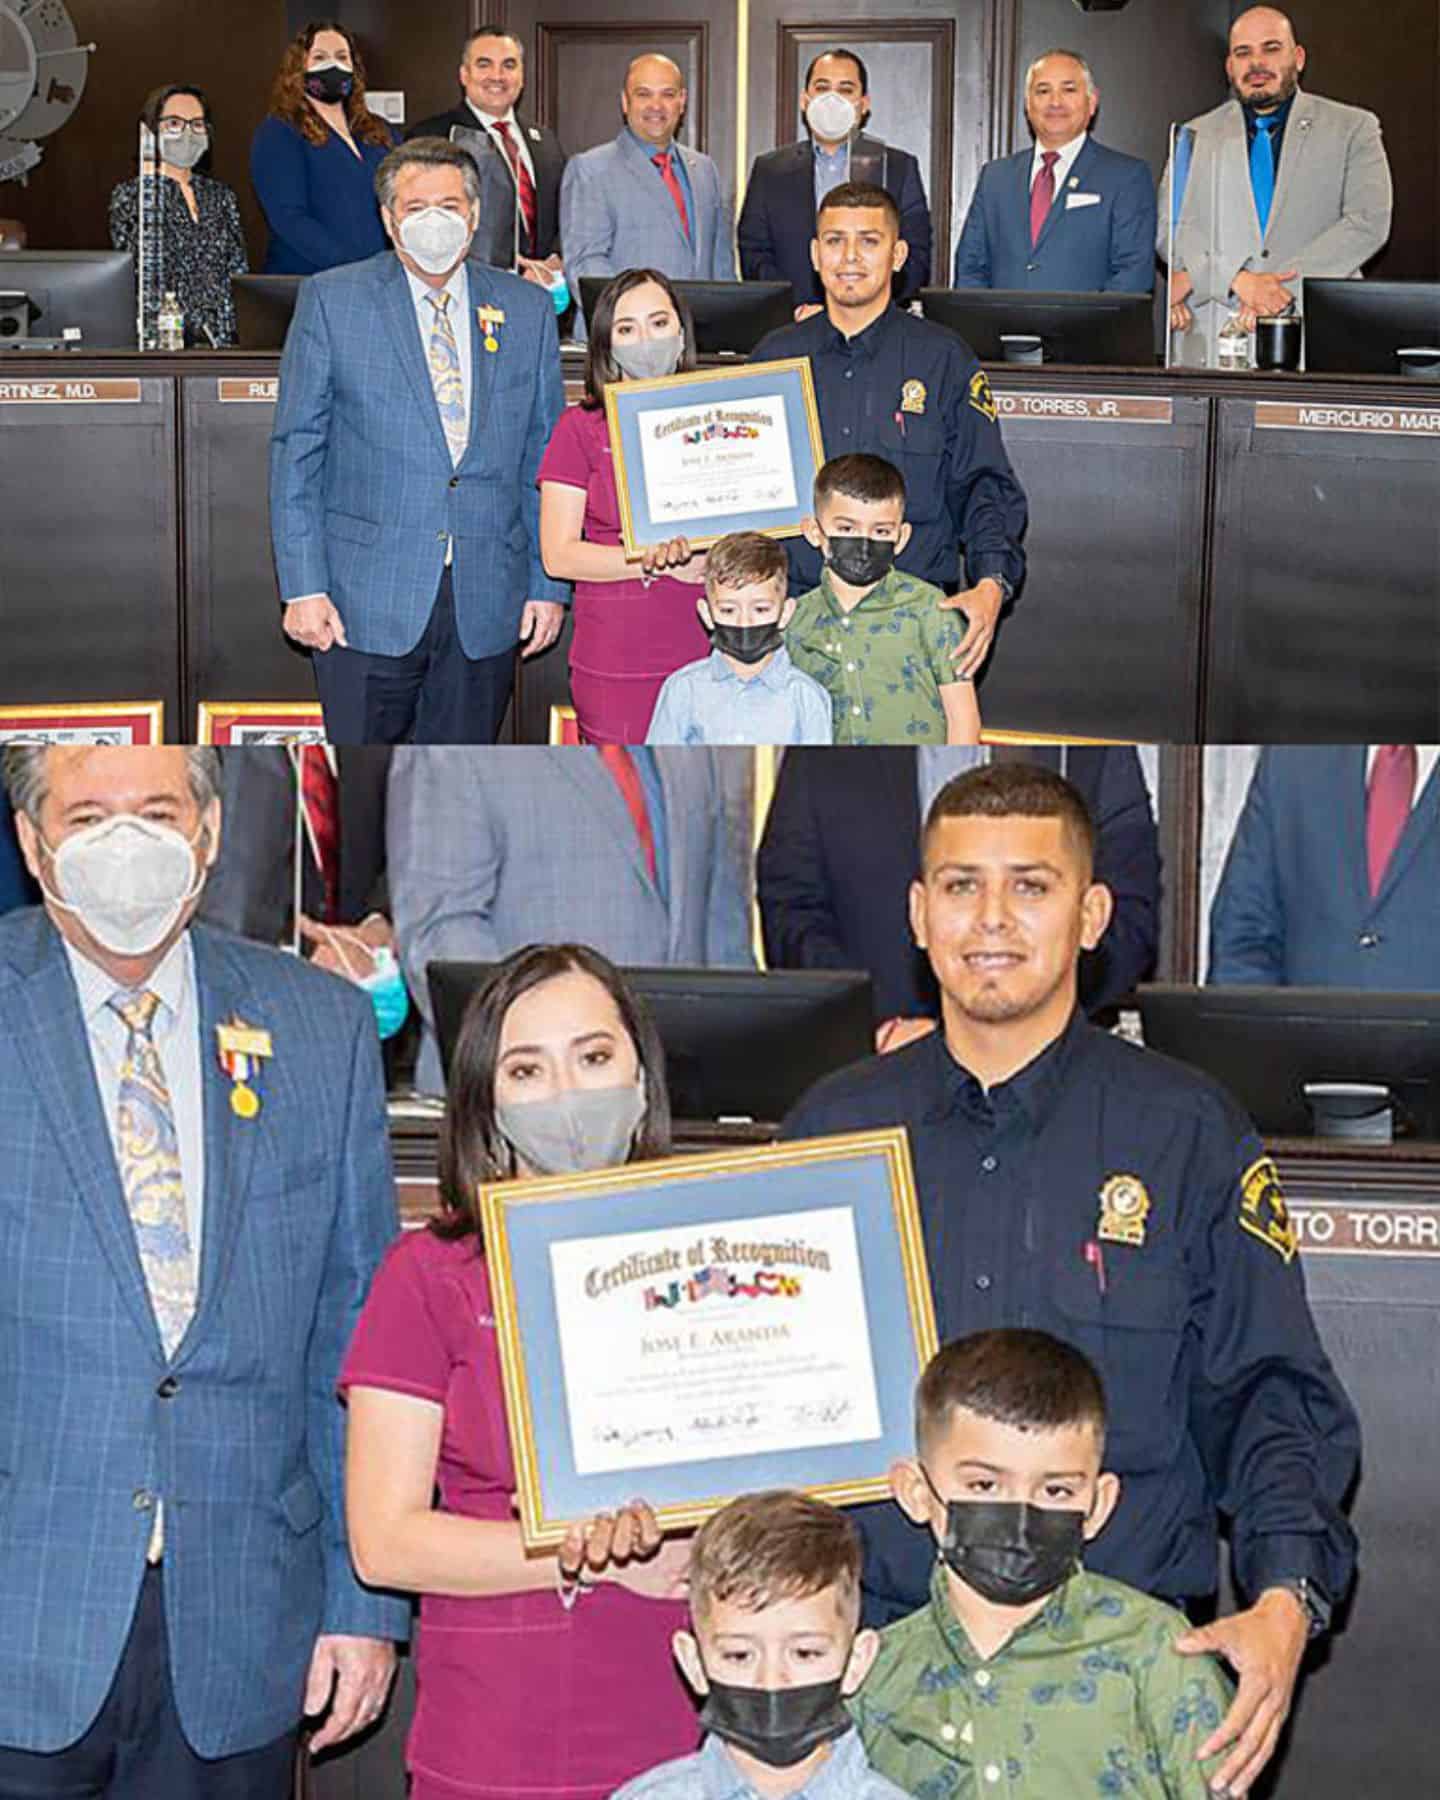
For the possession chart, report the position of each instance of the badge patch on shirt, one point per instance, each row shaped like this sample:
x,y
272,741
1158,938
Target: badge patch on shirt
x,y
912,397
1124,1208
980,396
1263,1212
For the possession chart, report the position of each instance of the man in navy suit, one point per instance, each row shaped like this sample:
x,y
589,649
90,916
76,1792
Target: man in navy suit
x,y
417,394
841,847
194,1194
787,185
1333,875
1068,216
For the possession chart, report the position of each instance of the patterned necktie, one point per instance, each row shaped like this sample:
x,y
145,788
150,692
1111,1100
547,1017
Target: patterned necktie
x,y
1042,194
524,185
1262,168
150,1172
320,796
664,162
618,761
1387,806
445,377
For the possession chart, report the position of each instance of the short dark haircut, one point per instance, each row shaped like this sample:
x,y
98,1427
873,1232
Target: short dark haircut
x,y
600,366
849,56
159,98
495,31
1015,790
859,477
1027,1379
472,1150
743,557
778,1545
852,195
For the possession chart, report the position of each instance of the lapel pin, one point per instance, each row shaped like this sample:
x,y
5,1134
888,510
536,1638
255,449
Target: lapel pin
x,y
1074,181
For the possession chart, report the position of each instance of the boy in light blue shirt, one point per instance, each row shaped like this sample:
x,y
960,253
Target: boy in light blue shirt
x,y
747,691
775,1651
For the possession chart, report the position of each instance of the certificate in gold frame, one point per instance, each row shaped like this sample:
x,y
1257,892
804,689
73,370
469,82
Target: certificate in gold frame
x,y
627,401
233,723
129,722
524,1222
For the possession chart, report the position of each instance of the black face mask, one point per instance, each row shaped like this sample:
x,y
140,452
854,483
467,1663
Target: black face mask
x,y
778,1726
861,562
1009,1552
747,643
329,85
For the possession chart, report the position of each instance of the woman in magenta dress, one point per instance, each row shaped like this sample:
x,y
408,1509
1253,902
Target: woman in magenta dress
x,y
634,624
539,1677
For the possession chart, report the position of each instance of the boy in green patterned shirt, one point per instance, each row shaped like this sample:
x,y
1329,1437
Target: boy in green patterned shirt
x,y
1026,1675
880,643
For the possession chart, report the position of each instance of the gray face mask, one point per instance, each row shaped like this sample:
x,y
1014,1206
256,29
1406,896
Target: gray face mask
x,y
576,1131
648,359
183,149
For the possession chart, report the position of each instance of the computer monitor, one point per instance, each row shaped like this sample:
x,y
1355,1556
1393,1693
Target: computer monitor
x,y
1098,329
1266,1043
1356,327
739,1043
263,305
729,315
92,291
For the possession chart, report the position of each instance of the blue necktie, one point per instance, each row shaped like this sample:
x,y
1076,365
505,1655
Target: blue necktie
x,y
1262,168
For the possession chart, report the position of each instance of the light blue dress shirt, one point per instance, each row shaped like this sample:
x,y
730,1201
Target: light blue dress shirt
x,y
175,1032
706,702
831,168
711,1773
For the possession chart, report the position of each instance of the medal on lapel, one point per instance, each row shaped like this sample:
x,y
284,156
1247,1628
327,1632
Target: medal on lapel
x,y
241,1047
490,318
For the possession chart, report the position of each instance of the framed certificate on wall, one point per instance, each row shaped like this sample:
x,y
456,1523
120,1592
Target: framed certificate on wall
x,y
690,1329
237,722
85,722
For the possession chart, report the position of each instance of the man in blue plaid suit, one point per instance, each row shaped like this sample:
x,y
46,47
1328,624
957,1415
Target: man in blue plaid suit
x,y
417,393
195,1189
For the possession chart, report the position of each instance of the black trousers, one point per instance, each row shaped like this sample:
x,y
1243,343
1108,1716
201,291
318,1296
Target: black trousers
x,y
135,1749
434,694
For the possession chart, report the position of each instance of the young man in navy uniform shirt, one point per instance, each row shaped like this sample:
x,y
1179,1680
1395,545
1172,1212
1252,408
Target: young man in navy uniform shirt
x,y
895,386
1075,1184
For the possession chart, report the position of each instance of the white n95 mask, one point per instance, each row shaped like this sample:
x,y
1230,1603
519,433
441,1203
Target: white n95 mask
x,y
127,880
831,116
435,238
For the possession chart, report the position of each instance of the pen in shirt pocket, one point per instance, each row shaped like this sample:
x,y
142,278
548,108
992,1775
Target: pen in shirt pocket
x,y
900,423
1095,1256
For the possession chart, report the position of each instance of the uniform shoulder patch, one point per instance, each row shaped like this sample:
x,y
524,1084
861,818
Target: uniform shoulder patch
x,y
1263,1212
980,396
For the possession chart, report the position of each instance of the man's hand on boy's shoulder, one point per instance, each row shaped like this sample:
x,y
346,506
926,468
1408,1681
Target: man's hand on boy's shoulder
x,y
1264,1645
981,605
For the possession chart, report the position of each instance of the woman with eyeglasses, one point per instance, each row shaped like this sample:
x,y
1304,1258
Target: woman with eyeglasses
x,y
313,160
200,242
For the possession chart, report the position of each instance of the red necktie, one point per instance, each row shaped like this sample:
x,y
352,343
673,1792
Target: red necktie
x,y
524,186
1042,194
320,797
663,162
1387,806
618,761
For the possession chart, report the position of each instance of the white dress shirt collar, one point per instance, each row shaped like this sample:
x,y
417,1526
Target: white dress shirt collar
x,y
1067,154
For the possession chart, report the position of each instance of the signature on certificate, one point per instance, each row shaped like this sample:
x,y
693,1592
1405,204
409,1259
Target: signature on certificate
x,y
829,1411
730,1418
629,1437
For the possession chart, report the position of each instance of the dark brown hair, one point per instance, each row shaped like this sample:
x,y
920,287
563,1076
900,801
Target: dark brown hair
x,y
288,101
600,366
743,557
778,1545
859,476
853,195
1027,1379
849,56
495,31
472,1150
1015,790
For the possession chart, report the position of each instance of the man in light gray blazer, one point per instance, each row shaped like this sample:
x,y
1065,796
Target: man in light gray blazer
x,y
531,846
646,201
1281,185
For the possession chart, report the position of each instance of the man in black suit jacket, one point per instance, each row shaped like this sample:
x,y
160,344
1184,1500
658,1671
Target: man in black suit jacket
x,y
842,845
786,186
492,75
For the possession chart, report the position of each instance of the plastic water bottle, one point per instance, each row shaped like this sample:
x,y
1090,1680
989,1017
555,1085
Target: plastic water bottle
x,y
170,323
1232,346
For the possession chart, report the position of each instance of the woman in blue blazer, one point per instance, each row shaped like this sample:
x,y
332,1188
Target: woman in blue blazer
x,y
313,159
